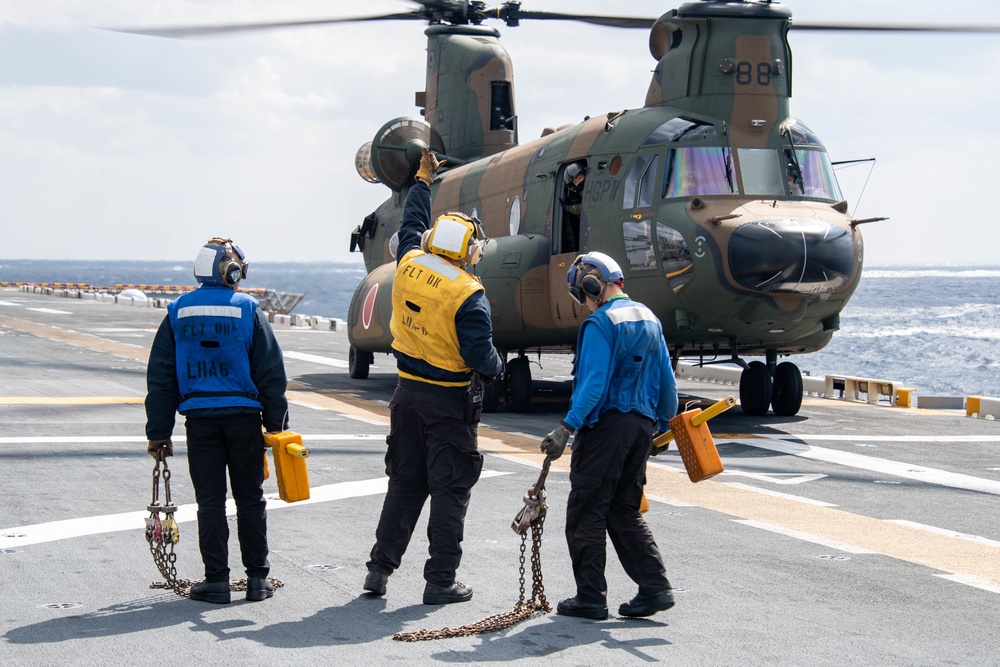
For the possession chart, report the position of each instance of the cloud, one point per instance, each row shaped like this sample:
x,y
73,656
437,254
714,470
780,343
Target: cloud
x,y
114,145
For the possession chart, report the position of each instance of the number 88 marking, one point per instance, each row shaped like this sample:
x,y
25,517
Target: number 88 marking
x,y
744,73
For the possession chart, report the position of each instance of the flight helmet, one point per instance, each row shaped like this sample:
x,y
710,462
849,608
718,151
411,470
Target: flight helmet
x,y
590,274
455,236
220,262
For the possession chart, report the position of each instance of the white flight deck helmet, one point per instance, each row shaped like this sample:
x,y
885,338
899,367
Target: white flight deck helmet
x,y
220,262
590,274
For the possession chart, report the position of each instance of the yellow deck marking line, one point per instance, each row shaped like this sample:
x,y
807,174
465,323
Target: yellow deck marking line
x,y
941,552
77,338
70,400
966,561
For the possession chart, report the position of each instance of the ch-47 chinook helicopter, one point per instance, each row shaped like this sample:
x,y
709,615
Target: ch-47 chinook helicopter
x,y
721,208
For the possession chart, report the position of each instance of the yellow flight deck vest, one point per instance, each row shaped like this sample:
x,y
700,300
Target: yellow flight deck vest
x,y
427,291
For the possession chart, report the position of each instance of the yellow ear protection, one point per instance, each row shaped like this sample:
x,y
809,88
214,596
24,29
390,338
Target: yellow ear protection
x,y
455,236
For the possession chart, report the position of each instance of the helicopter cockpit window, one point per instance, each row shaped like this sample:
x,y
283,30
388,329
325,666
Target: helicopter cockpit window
x,y
817,177
638,190
800,133
704,170
681,130
675,255
763,172
647,184
639,244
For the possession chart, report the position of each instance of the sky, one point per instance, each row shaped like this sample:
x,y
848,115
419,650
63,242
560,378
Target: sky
x,y
120,146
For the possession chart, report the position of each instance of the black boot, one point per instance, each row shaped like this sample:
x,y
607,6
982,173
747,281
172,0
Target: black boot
x,y
573,607
375,583
456,592
259,589
647,605
216,592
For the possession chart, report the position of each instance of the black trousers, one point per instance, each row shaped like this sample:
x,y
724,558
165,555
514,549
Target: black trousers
x,y
432,452
214,445
607,473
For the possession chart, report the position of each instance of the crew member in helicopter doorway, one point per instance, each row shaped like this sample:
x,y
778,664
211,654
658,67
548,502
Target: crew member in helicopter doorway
x,y
623,385
443,342
216,361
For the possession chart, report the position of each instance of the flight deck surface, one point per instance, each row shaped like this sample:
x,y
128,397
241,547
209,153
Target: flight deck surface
x,y
847,534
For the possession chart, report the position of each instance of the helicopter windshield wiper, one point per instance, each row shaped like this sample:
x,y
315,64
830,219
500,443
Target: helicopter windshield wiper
x,y
729,170
797,174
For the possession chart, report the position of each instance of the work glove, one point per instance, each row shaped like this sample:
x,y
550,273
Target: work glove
x,y
160,448
555,442
429,165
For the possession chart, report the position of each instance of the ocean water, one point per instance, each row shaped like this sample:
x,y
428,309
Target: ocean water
x,y
934,328
327,286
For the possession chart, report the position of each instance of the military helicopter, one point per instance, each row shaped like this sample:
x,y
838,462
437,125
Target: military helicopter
x,y
722,209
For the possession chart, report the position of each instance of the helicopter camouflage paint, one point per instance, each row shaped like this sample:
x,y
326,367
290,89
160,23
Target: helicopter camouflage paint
x,y
722,209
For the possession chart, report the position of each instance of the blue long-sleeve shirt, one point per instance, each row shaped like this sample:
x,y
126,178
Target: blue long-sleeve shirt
x,y
622,363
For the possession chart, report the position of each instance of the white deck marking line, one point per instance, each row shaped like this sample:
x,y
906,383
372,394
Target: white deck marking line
x,y
9,303
884,466
944,531
15,440
316,359
807,537
51,311
885,438
111,523
785,478
778,494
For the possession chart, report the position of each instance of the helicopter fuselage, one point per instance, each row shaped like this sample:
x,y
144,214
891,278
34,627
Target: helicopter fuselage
x,y
726,272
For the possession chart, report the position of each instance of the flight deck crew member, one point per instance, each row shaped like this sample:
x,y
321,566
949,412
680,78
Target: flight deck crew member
x,y
623,386
216,361
443,338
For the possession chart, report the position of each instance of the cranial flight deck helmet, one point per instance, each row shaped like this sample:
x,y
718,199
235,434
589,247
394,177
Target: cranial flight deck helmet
x,y
589,276
455,236
572,171
220,262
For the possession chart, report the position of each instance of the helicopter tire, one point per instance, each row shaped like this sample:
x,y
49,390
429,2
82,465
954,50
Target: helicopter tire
x,y
358,363
491,395
755,389
517,385
786,397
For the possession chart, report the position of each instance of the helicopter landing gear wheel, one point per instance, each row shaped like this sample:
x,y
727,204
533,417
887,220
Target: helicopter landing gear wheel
x,y
786,397
517,385
358,362
755,389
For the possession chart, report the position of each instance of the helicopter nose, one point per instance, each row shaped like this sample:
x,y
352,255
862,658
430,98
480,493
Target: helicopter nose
x,y
788,255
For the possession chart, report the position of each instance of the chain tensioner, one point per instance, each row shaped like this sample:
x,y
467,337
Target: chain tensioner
x,y
531,516
164,534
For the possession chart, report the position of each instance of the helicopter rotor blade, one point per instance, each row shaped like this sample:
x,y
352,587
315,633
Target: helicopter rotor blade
x,y
457,13
610,21
184,32
875,27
